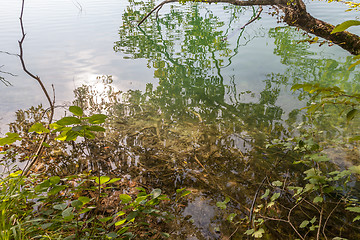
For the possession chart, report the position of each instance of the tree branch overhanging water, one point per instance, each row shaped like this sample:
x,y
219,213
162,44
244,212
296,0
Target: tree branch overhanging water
x,y
295,15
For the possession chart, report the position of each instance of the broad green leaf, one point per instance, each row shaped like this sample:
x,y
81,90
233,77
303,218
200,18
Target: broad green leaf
x,y
9,139
156,192
277,183
67,213
38,128
96,129
304,224
102,180
68,121
78,128
356,218
97,118
89,135
54,180
355,169
313,220
258,233
60,206
249,232
140,200
113,180
84,200
56,190
318,199
221,205
345,25
76,110
125,198
77,204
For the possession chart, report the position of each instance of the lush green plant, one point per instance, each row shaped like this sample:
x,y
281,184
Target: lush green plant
x,y
78,206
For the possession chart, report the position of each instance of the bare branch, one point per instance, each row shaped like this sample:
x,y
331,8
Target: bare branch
x,y
32,161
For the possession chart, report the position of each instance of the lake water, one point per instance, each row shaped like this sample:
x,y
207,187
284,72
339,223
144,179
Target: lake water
x,y
211,94
70,43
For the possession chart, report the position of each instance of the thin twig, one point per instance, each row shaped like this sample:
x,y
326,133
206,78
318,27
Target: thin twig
x,y
328,217
32,161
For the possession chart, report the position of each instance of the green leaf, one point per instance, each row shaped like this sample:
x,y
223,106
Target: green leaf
x,y
102,180
166,235
313,220
112,235
221,205
11,138
97,118
304,224
354,64
345,25
275,196
156,192
249,232
258,233
77,204
105,219
355,169
56,190
113,180
277,183
84,200
60,206
78,128
76,110
353,209
68,121
118,223
38,128
54,180
46,144
67,213
351,114
125,198
231,217
96,129
46,225
267,192
132,215
356,218
318,199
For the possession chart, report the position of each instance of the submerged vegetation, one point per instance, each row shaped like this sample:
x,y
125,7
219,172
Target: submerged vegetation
x,y
190,156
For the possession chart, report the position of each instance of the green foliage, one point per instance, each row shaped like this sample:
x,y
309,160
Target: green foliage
x,y
345,25
67,210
